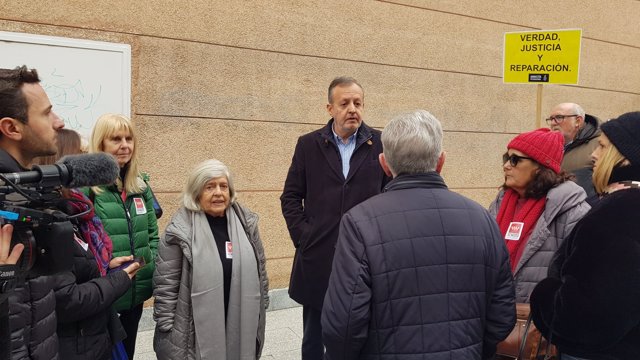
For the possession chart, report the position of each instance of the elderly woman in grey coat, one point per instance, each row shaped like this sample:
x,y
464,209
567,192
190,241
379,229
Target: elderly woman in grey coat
x,y
210,282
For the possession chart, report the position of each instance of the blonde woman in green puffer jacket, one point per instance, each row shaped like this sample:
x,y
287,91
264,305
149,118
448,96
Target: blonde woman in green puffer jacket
x,y
126,210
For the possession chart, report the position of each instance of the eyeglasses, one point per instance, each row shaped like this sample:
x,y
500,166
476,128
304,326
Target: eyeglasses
x,y
557,118
513,159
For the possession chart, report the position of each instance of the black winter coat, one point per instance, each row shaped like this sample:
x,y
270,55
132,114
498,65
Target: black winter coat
x,y
32,305
315,197
32,319
84,308
594,306
419,272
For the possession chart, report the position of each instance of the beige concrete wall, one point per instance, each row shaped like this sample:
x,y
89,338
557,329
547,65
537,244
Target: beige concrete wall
x,y
241,80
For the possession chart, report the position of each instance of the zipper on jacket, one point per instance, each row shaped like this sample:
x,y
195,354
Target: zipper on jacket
x,y
131,244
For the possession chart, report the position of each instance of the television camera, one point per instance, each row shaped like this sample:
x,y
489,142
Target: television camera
x,y
33,203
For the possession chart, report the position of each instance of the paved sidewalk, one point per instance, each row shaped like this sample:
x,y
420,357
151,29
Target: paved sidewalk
x,y
283,335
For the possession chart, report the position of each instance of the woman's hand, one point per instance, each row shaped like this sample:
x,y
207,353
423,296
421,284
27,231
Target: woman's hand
x,y
117,261
7,258
131,269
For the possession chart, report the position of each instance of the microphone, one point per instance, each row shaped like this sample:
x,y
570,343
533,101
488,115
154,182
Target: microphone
x,y
90,169
71,171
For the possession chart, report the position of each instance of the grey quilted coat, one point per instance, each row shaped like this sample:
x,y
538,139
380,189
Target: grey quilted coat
x,y
565,206
175,333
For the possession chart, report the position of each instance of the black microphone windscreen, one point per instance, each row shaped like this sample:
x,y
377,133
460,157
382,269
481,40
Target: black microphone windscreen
x,y
90,169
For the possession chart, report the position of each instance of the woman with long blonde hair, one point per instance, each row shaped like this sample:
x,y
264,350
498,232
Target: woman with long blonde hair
x,y
126,210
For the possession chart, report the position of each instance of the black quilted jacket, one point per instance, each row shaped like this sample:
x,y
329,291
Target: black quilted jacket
x,y
84,302
419,272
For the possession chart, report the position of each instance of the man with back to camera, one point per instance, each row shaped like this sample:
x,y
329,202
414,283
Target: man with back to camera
x,y
333,169
419,271
581,132
28,129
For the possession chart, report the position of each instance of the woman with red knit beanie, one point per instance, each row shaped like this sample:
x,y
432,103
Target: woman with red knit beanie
x,y
537,206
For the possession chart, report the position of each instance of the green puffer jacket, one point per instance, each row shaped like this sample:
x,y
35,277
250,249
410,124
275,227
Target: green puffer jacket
x,y
136,229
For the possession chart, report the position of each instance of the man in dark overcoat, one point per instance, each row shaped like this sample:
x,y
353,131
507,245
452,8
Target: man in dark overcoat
x,y
332,170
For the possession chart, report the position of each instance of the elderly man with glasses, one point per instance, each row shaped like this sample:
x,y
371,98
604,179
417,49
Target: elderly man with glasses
x,y
580,133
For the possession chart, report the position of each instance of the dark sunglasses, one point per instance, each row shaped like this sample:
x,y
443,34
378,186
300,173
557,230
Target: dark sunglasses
x,y
513,159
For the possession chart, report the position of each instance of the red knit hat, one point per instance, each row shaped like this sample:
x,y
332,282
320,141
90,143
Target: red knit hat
x,y
543,145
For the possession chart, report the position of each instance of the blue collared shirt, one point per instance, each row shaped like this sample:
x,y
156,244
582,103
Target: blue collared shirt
x,y
346,150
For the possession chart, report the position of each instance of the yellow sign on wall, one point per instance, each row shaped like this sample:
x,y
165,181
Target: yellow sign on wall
x,y
549,56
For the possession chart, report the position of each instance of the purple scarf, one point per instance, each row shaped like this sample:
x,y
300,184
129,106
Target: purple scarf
x,y
92,230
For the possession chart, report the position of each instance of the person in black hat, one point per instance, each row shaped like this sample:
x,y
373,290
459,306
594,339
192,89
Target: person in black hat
x,y
589,306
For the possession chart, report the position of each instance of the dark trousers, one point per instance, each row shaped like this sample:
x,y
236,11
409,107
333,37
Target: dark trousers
x,y
312,348
130,319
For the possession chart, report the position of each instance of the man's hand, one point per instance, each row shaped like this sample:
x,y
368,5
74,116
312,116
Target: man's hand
x,y
7,258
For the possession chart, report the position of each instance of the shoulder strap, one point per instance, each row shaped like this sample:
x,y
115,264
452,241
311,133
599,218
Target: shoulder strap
x,y
156,204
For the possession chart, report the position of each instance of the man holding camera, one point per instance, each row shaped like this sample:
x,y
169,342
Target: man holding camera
x,y
28,128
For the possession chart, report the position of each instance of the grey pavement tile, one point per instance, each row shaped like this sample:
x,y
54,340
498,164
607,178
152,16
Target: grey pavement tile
x,y
290,319
144,355
285,318
279,335
279,299
298,329
279,340
278,348
288,355
283,337
146,320
144,341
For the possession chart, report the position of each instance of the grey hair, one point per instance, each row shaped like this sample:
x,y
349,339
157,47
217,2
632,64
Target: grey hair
x,y
412,143
578,110
199,177
341,81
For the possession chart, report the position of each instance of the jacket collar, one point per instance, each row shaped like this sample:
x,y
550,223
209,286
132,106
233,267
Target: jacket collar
x,y
560,198
590,130
363,134
248,218
8,163
181,226
428,180
627,172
